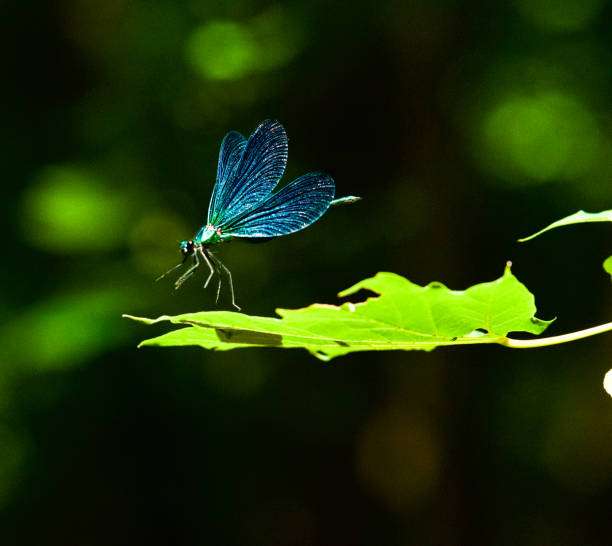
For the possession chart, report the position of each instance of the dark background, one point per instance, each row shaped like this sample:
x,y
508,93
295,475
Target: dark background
x,y
463,125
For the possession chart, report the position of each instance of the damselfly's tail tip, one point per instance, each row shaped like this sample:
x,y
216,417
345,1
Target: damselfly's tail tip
x,y
345,200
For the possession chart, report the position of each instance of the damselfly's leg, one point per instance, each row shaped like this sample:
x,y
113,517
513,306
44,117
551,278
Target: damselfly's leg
x,y
169,271
216,261
187,273
210,266
218,289
219,263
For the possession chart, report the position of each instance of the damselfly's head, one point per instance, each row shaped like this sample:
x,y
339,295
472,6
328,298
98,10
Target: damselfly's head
x,y
187,248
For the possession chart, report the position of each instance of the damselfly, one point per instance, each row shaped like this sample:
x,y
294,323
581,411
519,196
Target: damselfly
x,y
243,204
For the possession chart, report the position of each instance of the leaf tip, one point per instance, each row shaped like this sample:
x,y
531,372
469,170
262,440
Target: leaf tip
x,y
540,325
140,319
321,355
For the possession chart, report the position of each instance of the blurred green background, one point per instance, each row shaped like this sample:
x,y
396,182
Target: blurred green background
x,y
463,125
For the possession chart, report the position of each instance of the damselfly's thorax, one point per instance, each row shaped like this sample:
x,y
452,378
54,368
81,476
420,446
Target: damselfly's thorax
x,y
208,235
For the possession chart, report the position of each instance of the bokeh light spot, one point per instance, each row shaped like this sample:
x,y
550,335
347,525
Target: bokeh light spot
x,y
229,50
68,209
64,330
607,382
542,138
221,50
398,458
560,15
279,37
154,241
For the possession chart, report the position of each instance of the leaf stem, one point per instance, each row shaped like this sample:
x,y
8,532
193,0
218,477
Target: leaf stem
x,y
555,340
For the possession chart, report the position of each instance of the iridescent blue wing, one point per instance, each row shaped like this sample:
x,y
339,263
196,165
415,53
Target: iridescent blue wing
x,y
250,171
232,148
291,209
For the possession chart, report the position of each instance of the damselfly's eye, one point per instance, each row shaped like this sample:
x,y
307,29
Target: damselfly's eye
x,y
186,248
